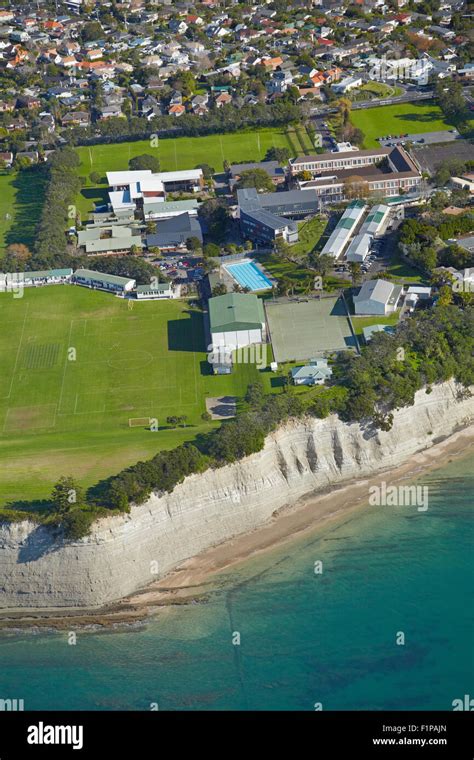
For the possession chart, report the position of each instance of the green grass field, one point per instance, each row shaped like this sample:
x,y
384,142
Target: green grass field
x,y
398,119
174,154
360,322
309,233
61,416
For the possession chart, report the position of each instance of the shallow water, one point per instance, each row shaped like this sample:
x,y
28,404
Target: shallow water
x,y
305,637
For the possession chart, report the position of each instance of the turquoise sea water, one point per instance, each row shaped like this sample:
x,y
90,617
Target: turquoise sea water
x,y
305,638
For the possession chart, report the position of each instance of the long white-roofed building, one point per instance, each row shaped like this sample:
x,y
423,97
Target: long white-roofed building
x,y
376,220
359,247
344,229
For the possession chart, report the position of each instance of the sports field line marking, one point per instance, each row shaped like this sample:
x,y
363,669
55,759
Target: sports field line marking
x,y
33,406
153,405
18,352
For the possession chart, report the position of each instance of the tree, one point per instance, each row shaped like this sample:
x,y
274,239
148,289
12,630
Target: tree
x,y
211,251
344,106
17,256
185,82
193,243
282,155
206,417
257,178
76,523
91,30
451,100
456,256
95,178
284,286
281,247
255,395
322,263
66,495
215,215
143,162
445,295
219,289
207,171
356,187
355,271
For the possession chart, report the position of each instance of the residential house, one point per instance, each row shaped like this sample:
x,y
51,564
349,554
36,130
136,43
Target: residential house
x,y
223,99
316,372
279,82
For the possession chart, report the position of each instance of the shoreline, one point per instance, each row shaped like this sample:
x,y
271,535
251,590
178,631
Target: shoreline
x,y
190,581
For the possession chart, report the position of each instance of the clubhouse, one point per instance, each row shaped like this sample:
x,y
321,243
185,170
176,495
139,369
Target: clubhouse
x,y
88,278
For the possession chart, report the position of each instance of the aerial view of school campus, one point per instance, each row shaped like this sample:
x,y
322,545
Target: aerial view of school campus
x,y
236,341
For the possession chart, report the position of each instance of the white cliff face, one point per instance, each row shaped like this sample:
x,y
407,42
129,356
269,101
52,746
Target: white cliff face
x,y
38,569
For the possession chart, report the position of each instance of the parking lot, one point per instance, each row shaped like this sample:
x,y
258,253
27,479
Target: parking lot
x,y
426,138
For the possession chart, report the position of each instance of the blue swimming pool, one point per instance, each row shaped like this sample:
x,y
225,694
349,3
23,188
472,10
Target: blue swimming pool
x,y
248,275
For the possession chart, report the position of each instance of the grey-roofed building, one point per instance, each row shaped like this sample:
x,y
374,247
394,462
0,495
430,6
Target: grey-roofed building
x,y
167,209
263,226
260,213
370,331
172,234
109,239
291,203
377,297
97,280
314,373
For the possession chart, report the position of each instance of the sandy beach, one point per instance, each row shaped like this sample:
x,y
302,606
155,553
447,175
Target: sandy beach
x,y
191,580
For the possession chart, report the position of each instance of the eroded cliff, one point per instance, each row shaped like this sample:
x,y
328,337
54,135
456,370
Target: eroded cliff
x,y
123,554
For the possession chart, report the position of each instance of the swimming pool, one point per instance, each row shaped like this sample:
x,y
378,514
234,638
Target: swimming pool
x,y
248,275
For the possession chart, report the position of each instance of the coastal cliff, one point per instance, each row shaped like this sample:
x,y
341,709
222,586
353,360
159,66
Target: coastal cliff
x,y
125,553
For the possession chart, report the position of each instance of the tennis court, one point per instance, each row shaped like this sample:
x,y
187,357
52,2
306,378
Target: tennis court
x,y
248,275
306,328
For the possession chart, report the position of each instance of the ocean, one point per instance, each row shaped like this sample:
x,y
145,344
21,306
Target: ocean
x,y
373,612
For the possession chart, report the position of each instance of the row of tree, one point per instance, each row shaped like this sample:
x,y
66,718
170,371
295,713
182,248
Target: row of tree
x,y
225,119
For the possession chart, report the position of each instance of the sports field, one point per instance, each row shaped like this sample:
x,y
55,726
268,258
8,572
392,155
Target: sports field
x,y
307,328
77,365
174,154
398,119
